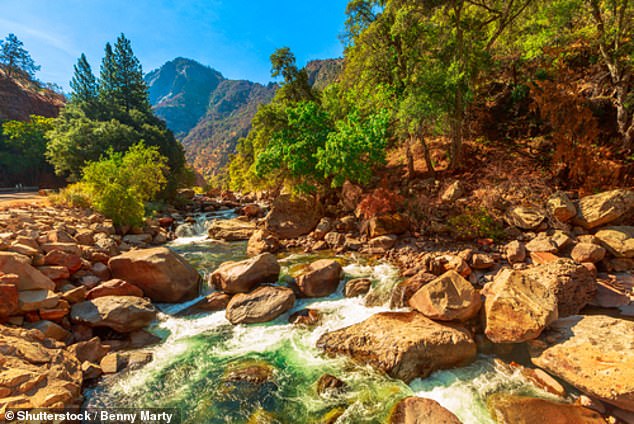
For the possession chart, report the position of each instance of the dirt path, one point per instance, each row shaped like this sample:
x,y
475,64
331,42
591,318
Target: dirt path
x,y
14,200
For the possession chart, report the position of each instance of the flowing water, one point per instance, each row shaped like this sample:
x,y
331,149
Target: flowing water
x,y
196,365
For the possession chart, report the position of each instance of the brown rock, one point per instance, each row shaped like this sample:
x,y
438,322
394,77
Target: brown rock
x,y
383,243
350,196
604,208
113,363
513,409
69,260
482,261
231,229
306,317
357,287
243,276
293,217
403,291
163,275
29,277
415,410
406,345
261,305
541,258
71,248
618,240
216,301
8,300
560,207
50,330
75,295
586,252
32,300
320,278
329,384
55,272
525,218
120,313
387,224
447,298
515,252
542,243
262,241
90,350
114,287
61,236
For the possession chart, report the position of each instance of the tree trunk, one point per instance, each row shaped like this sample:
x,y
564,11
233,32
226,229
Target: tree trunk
x,y
427,156
410,158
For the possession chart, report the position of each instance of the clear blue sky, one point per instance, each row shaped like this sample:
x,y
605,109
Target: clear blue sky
x,y
235,37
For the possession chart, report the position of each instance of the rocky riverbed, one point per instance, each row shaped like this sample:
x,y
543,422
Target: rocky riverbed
x,y
290,313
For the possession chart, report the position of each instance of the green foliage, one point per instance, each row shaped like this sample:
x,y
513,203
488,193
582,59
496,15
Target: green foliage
x,y
15,59
84,86
75,195
476,223
121,184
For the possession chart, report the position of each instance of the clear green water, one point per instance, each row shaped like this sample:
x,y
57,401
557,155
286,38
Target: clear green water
x,y
192,368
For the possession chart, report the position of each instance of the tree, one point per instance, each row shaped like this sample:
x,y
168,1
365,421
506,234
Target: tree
x,y
295,87
15,58
108,78
84,86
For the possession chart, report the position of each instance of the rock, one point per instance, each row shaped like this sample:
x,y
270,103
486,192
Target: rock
x,y
261,305
514,409
357,287
101,270
329,384
231,229
32,300
50,330
114,287
216,301
403,291
243,276
306,317
382,243
387,224
561,239
75,295
37,372
453,192
89,351
416,410
594,353
525,218
604,208
560,207
517,307
262,241
9,304
335,239
69,260
444,263
29,277
542,243
321,278
186,193
482,261
113,363
55,272
293,217
163,275
618,240
23,249
70,248
587,252
120,313
250,371
90,371
447,298
515,252
252,210
323,227
541,258
405,345
350,196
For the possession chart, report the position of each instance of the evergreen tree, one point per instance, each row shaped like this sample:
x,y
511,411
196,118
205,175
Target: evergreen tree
x,y
15,58
84,85
108,78
133,92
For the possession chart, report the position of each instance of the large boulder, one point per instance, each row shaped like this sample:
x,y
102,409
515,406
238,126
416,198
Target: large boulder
x,y
447,298
36,372
514,409
403,291
517,308
387,224
261,305
243,276
291,217
320,278
120,313
525,217
561,207
231,229
604,208
262,241
29,277
594,353
415,410
618,240
405,345
114,287
163,275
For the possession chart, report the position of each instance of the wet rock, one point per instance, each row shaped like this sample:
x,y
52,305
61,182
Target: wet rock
x,y
515,252
387,224
261,305
320,278
447,298
262,241
216,301
618,240
604,208
403,291
293,217
517,307
594,353
525,218
254,372
306,317
114,287
416,410
513,409
357,287
561,207
243,276
406,345
120,313
163,275
29,277
329,384
231,229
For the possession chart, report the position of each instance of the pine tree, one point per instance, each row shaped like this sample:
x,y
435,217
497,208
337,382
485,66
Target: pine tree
x,y
108,84
15,58
83,85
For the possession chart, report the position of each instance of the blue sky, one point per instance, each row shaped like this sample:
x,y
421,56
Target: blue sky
x,y
235,37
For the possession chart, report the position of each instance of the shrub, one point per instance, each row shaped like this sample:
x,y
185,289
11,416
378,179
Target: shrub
x,y
379,202
476,223
75,196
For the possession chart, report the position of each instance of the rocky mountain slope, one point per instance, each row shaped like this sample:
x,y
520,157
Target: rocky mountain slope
x,y
20,99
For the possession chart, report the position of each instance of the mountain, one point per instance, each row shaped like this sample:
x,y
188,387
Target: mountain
x,y
21,98
209,113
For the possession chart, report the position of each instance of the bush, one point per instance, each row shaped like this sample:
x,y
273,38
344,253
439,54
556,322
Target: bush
x,y
75,196
476,223
380,201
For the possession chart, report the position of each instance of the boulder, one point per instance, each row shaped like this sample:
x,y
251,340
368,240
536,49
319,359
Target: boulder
x,y
447,298
32,300
514,409
517,307
8,300
416,410
50,330
114,287
323,227
618,240
405,345
382,243
604,208
320,278
261,305
587,252
29,277
262,241
403,291
243,276
163,275
357,287
291,217
89,351
120,313
387,224
216,301
515,252
55,272
231,229
561,207
482,261
525,217
542,243
594,353
37,372
59,257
